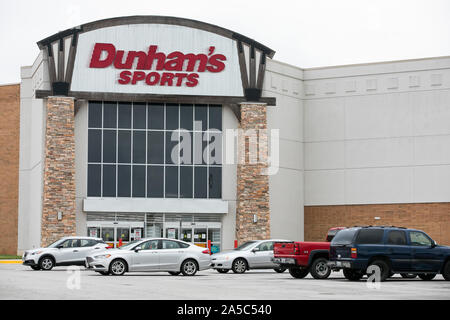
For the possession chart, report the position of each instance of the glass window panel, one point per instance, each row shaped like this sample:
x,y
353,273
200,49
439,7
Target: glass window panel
x,y
418,238
94,180
172,147
139,181
215,182
124,181
186,117
186,148
200,182
124,115
124,147
139,116
155,147
215,117
171,182
110,115
95,114
214,148
201,114
199,147
109,146
370,236
139,144
186,186
94,145
172,116
155,181
109,181
156,116
123,233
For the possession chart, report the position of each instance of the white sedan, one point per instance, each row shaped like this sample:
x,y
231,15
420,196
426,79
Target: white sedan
x,y
152,254
66,251
256,254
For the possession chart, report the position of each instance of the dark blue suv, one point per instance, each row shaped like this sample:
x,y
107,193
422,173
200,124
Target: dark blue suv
x,y
392,249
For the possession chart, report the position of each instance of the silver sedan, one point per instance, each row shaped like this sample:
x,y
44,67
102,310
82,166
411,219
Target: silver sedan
x,y
152,254
255,254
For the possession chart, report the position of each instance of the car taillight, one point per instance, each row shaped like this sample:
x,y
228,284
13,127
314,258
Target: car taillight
x,y
205,251
354,254
297,248
109,247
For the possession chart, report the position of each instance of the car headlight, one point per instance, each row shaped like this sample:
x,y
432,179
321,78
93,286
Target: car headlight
x,y
37,252
102,256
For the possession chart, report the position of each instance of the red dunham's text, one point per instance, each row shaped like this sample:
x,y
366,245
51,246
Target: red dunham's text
x,y
173,69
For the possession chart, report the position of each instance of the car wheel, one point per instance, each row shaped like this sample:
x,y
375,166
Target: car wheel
x,y
174,273
352,275
117,267
298,273
46,263
408,275
446,271
239,265
385,271
35,267
222,270
280,270
427,276
320,269
189,268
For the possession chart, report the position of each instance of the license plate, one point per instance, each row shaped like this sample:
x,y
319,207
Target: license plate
x,y
344,264
284,260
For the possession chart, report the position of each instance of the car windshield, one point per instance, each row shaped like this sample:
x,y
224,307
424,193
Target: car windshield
x,y
129,245
344,236
245,245
54,244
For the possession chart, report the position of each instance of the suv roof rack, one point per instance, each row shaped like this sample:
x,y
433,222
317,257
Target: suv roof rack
x,y
370,226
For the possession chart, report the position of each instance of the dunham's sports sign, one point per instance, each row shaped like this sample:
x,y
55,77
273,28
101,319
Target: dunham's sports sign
x,y
156,59
173,69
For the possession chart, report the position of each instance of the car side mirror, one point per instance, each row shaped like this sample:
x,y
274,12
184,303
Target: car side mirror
x,y
137,249
433,244
255,250
59,246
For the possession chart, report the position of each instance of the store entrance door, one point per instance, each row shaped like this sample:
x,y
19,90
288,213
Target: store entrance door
x,y
116,233
197,233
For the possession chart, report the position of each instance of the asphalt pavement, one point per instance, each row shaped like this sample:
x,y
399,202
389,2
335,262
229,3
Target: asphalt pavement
x,y
21,282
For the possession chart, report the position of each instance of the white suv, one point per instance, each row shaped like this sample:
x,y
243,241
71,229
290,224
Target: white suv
x,y
64,252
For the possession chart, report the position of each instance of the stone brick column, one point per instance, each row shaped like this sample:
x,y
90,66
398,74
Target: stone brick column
x,y
59,171
252,181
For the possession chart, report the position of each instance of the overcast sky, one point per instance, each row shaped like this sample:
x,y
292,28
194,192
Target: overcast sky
x,y
305,33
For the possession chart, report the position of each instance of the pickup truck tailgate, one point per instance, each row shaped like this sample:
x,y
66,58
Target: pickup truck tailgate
x,y
283,249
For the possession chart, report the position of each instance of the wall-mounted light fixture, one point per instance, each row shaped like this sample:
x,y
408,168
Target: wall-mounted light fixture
x,y
377,218
59,215
255,218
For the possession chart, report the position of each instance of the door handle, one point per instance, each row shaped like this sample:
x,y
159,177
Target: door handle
x,y
75,250
96,248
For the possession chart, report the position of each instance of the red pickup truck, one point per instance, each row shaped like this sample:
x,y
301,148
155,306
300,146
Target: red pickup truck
x,y
302,258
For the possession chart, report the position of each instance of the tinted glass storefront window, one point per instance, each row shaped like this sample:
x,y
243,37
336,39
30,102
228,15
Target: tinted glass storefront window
x,y
133,150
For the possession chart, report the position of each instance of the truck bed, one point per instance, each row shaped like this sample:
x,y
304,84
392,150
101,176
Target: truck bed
x,y
299,251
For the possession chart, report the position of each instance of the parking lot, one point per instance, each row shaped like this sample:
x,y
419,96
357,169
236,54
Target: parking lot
x,y
20,282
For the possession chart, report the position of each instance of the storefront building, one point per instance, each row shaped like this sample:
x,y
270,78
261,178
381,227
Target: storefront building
x,y
101,109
